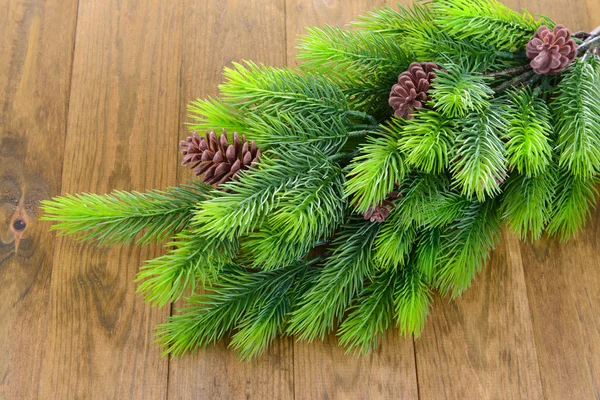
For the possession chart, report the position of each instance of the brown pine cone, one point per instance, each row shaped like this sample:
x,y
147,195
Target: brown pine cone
x,y
410,93
215,158
381,211
551,51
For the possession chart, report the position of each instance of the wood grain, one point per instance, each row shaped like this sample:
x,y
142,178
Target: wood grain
x,y
121,134
36,51
215,34
322,370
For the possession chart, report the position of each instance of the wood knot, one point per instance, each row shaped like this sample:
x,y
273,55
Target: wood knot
x,y
19,225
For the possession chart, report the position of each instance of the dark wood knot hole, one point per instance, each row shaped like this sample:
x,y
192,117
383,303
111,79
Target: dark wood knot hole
x,y
19,225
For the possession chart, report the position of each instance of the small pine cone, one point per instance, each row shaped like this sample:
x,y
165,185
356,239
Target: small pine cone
x,y
381,211
551,51
410,93
215,158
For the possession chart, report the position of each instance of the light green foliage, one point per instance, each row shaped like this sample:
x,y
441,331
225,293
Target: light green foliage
x,y
424,37
377,169
528,148
466,243
480,162
286,187
192,259
253,302
577,113
370,317
427,253
527,201
269,90
412,297
457,91
121,217
337,283
427,140
575,196
394,243
486,21
215,114
327,134
364,64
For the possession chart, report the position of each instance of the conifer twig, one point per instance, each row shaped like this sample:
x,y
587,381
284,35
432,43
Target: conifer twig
x,y
509,71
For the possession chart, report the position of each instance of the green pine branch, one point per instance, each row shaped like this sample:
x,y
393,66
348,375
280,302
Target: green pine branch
x,y
427,141
487,21
377,170
575,196
479,165
193,259
577,114
527,202
121,217
372,314
529,147
466,243
457,91
255,303
338,282
412,297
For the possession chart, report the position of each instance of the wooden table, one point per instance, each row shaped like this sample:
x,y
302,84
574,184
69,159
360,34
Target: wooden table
x,y
92,98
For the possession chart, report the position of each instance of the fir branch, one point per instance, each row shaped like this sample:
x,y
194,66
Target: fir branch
x,y
337,283
254,302
120,217
376,171
457,91
269,90
192,259
412,297
427,40
527,202
577,114
292,178
394,243
371,316
480,162
575,196
364,64
487,21
465,246
529,129
215,114
427,254
427,141
327,134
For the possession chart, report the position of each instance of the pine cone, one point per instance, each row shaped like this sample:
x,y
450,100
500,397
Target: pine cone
x,y
381,211
214,157
551,51
410,93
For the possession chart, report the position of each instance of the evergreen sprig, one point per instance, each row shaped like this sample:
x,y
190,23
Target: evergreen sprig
x,y
529,145
577,112
121,217
487,21
377,169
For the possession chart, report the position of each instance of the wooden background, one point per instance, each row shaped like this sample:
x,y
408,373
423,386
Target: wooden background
x,y
92,98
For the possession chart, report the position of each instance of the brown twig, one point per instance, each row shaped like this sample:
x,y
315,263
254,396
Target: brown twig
x,y
509,71
589,43
514,81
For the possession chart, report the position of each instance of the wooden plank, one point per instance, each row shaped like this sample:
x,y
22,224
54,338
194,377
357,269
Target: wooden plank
x,y
481,345
121,134
36,52
215,34
322,369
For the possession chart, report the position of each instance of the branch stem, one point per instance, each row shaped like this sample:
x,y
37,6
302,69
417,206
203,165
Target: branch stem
x,y
509,71
343,156
593,42
514,81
